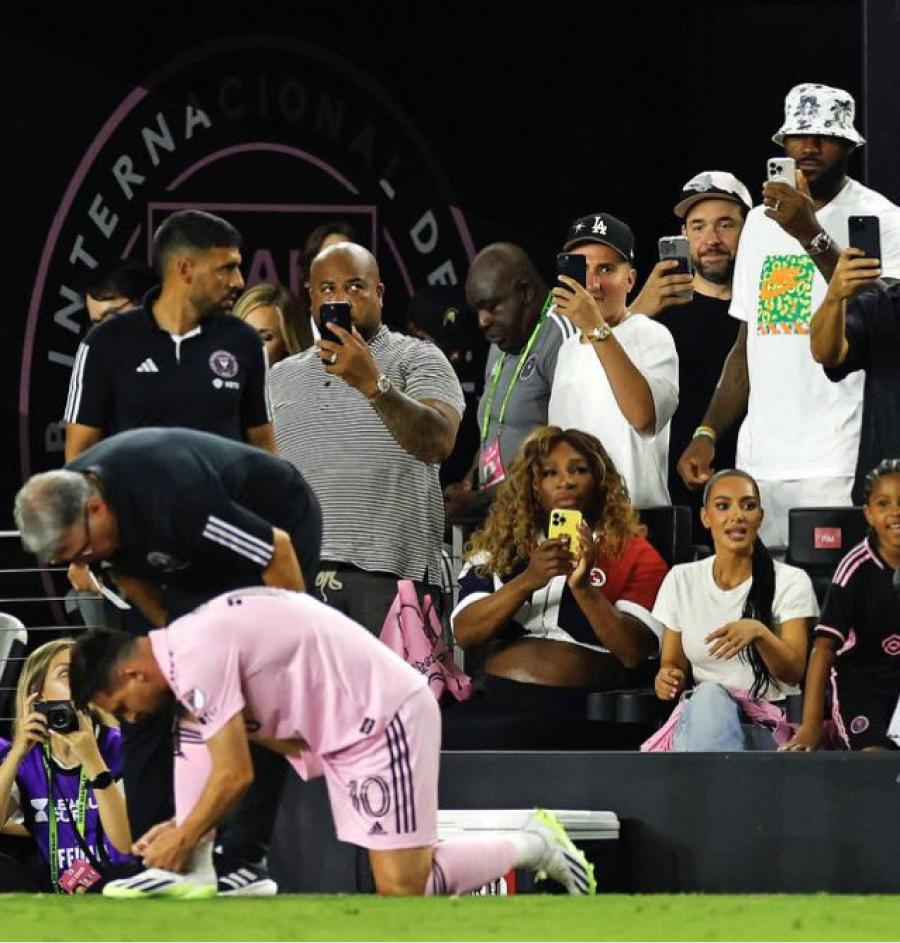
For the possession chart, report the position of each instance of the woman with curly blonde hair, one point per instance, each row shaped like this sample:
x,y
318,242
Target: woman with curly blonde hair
x,y
561,620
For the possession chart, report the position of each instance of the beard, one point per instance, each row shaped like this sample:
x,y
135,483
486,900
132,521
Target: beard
x,y
718,272
825,186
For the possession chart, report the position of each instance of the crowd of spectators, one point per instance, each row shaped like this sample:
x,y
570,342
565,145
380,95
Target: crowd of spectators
x,y
591,403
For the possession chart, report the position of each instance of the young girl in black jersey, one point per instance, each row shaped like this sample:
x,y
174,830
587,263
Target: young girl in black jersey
x,y
857,642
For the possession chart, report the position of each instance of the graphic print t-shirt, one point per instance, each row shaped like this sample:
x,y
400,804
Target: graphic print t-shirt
x,y
799,425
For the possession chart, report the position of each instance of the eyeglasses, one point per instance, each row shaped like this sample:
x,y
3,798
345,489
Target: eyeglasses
x,y
84,551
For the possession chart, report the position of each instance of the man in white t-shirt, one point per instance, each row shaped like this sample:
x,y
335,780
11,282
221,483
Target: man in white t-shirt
x,y
617,378
800,436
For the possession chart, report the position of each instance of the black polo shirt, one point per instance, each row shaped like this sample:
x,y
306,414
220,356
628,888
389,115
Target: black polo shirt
x,y
873,338
129,373
862,617
195,511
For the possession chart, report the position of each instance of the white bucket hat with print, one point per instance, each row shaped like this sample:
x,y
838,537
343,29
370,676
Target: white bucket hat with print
x,y
819,109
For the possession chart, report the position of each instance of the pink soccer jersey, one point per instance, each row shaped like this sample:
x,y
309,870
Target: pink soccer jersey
x,y
293,666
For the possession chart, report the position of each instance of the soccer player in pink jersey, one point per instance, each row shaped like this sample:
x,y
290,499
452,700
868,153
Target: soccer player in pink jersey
x,y
304,680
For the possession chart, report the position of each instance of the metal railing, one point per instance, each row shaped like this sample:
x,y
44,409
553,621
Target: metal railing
x,y
34,586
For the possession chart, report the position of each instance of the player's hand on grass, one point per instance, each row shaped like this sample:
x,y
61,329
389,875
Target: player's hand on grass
x,y
170,850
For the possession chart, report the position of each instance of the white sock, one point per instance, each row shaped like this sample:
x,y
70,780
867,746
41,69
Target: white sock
x,y
201,866
530,848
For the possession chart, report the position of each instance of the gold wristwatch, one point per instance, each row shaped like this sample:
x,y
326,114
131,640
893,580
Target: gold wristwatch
x,y
599,332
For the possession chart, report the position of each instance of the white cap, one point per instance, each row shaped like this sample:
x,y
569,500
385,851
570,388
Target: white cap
x,y
712,185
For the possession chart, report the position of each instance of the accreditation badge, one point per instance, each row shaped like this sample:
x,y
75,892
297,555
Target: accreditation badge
x,y
490,465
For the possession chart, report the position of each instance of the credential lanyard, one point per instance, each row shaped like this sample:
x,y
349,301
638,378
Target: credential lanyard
x,y
80,817
498,369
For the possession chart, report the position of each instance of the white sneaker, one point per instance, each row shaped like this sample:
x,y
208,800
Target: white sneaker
x,y
561,861
154,882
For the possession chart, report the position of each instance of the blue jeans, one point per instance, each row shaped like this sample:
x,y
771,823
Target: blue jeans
x,y
711,723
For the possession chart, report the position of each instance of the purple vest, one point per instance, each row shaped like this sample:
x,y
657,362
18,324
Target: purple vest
x,y
34,798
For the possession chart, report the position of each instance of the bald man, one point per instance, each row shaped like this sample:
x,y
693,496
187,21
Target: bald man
x,y
367,419
510,299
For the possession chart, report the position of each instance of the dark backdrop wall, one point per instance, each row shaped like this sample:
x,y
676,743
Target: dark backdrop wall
x,y
520,117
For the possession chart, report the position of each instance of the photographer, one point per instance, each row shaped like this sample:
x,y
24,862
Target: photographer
x,y
54,783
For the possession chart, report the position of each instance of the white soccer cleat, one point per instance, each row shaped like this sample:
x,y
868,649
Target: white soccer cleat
x,y
155,882
561,861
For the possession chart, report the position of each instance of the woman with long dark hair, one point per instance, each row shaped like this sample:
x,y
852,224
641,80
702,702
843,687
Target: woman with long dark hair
x,y
559,617
736,630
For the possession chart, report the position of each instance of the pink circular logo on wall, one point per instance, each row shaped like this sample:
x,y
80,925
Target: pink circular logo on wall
x,y
277,136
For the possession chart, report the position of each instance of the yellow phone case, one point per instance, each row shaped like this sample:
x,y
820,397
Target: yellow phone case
x,y
564,523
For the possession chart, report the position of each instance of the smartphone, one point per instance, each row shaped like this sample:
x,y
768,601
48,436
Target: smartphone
x,y
679,249
564,523
573,265
337,312
865,234
782,170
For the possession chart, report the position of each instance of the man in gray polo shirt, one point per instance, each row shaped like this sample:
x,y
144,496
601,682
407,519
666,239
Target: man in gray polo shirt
x,y
368,421
510,299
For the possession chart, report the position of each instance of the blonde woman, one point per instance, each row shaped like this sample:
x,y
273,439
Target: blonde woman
x,y
280,318
54,783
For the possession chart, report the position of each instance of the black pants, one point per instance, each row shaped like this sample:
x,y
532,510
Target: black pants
x,y
512,715
363,596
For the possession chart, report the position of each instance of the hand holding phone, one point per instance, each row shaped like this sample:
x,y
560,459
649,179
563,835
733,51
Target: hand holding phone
x,y
677,249
573,265
564,522
865,234
782,170
334,312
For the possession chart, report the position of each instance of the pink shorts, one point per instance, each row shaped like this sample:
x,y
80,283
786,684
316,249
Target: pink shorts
x,y
383,791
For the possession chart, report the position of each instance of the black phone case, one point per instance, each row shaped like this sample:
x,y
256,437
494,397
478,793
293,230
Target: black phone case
x,y
684,263
575,266
865,234
338,312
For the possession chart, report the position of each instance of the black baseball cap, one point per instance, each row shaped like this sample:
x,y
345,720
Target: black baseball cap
x,y
604,229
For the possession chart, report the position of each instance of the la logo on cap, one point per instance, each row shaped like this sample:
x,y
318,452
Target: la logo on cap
x,y
599,226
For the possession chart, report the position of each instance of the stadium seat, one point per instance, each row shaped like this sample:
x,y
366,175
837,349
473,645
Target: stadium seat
x,y
669,530
819,538
13,641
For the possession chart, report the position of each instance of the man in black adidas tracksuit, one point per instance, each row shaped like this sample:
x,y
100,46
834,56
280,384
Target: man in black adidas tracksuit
x,y
181,359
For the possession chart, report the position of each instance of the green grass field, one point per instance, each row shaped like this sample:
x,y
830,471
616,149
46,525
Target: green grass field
x,y
528,917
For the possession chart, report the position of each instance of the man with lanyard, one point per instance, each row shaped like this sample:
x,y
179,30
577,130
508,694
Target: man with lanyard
x,y
514,313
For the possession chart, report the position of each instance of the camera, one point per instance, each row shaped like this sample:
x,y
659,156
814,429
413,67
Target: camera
x,y
61,716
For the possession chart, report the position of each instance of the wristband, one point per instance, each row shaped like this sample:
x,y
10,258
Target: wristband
x,y
707,431
101,780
